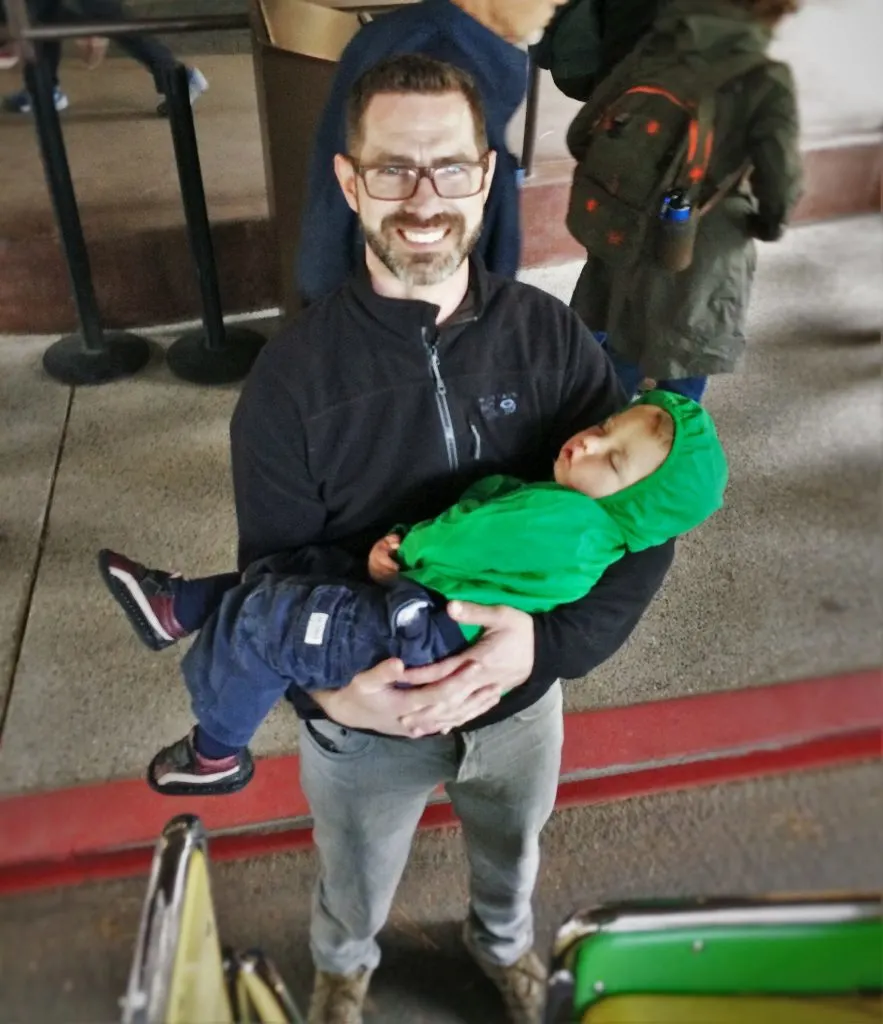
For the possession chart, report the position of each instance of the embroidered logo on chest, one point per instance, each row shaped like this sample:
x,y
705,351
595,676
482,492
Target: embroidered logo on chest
x,y
493,407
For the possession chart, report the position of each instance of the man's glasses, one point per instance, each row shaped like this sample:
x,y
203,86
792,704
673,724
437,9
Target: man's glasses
x,y
457,180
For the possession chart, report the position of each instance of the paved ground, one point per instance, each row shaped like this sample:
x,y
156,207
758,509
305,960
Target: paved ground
x,y
64,955
784,583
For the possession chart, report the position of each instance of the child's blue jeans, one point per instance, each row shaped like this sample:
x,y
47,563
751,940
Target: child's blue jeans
x,y
630,375
278,629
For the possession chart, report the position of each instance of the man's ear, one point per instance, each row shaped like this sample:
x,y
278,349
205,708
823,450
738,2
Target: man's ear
x,y
348,180
489,177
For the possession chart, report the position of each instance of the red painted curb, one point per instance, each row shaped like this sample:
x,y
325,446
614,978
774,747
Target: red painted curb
x,y
98,819
812,754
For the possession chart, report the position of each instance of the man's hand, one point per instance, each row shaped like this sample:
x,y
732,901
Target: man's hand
x,y
501,659
372,701
382,565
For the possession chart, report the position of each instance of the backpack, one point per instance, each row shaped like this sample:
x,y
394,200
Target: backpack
x,y
647,131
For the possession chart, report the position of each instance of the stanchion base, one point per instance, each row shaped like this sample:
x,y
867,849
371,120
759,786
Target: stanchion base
x,y
70,362
192,360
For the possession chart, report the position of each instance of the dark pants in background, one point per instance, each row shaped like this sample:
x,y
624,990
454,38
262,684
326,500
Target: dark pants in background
x,y
147,50
630,376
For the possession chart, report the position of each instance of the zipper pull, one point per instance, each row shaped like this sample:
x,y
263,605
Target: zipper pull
x,y
440,385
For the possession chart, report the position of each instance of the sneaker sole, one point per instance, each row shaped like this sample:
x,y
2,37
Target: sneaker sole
x,y
222,787
27,111
128,595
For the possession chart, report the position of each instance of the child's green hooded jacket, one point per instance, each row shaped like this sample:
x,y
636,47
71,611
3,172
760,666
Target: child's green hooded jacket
x,y
537,546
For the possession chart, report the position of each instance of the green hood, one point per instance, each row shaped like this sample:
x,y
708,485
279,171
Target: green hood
x,y
704,25
686,489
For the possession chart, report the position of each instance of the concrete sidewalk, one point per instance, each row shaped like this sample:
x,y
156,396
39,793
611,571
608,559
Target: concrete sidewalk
x,y
785,582
66,954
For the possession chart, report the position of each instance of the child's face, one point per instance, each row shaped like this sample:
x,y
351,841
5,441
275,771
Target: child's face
x,y
616,454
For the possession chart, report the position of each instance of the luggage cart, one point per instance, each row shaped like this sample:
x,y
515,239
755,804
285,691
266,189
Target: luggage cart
x,y
779,960
180,975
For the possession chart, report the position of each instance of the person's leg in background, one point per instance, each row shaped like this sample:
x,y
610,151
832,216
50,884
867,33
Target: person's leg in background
x,y
9,56
9,53
630,375
504,794
41,12
147,50
689,387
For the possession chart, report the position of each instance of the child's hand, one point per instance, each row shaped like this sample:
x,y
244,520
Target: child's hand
x,y
382,566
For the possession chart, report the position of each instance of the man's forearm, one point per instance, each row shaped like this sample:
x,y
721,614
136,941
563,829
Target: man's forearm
x,y
574,639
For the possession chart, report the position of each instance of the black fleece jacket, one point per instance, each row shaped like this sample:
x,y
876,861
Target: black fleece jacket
x,y
363,413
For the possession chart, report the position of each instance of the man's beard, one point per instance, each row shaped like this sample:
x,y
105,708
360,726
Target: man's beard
x,y
422,268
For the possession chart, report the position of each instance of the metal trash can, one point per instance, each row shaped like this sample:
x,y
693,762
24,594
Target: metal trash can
x,y
296,47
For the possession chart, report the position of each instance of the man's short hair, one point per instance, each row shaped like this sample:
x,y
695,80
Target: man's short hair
x,y
411,73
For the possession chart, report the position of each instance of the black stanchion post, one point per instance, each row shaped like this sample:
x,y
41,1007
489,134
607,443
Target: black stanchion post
x,y
530,117
92,356
212,354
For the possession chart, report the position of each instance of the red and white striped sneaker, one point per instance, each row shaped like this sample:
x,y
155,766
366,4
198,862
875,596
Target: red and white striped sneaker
x,y
147,596
180,770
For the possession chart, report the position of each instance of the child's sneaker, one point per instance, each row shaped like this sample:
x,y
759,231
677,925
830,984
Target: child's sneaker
x,y
180,770
147,596
198,84
21,103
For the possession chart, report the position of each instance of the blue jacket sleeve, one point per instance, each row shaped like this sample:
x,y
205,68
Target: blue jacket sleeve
x,y
328,234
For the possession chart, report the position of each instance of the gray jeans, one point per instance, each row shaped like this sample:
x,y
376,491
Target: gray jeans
x,y
367,796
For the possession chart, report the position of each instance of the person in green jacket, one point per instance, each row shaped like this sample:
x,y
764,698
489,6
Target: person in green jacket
x,y
679,327
649,473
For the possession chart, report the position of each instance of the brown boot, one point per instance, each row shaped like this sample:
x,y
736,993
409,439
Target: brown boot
x,y
522,984
338,998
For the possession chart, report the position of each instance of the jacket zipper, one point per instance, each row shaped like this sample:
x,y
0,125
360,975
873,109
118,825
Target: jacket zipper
x,y
476,449
441,400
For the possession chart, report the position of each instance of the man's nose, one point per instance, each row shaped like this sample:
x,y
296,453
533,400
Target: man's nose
x,y
424,198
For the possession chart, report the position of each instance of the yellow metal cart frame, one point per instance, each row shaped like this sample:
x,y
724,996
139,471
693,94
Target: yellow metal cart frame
x,y
179,973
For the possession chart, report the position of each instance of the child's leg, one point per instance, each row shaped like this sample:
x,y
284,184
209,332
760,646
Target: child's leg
x,y
183,769
197,599
689,387
273,631
162,607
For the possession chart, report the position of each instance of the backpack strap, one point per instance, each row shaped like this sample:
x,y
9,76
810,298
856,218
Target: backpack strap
x,y
701,142
729,181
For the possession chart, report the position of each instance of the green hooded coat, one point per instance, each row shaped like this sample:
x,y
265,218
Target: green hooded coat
x,y
692,323
537,546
